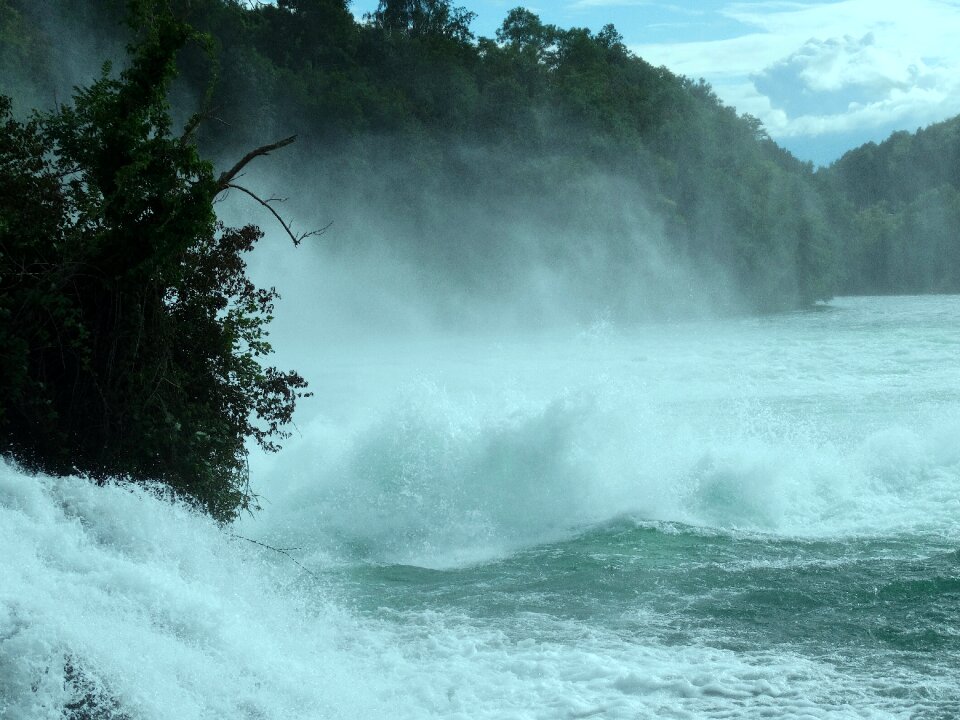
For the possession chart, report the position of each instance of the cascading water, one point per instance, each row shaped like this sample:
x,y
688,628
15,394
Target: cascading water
x,y
740,518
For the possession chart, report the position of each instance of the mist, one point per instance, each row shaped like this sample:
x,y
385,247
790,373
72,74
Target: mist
x,y
491,243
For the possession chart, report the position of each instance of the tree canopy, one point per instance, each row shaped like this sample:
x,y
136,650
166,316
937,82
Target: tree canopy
x,y
898,203
131,338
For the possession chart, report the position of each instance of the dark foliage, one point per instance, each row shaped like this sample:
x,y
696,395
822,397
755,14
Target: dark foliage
x,y
411,85
130,336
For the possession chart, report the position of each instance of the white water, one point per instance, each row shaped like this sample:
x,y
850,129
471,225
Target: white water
x,y
447,451
444,453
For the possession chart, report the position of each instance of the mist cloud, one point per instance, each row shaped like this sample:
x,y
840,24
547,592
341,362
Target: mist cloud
x,y
488,241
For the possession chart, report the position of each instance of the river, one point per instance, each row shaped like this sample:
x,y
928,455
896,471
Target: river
x,y
740,518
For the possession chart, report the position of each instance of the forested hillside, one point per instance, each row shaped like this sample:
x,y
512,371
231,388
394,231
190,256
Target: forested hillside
x,y
547,169
543,174
903,201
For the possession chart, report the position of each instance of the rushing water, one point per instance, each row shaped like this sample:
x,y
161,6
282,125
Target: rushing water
x,y
734,519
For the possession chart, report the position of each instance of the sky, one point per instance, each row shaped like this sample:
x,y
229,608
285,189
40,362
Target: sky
x,y
824,76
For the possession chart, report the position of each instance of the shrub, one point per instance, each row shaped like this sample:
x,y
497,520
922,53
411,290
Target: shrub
x,y
130,335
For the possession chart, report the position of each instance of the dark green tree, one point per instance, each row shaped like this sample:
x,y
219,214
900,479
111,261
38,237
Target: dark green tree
x,y
424,18
130,335
525,32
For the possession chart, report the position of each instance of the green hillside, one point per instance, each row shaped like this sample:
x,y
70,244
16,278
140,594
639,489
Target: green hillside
x,y
902,203
634,192
448,145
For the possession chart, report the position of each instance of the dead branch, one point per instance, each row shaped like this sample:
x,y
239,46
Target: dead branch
x,y
281,551
226,178
297,239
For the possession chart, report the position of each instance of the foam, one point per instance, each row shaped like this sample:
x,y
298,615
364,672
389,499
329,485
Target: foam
x,y
160,610
447,453
166,615
445,478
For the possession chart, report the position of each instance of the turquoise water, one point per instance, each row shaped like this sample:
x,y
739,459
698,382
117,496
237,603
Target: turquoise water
x,y
728,519
863,628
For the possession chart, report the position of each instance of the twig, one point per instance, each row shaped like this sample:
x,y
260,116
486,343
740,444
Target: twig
x,y
297,239
194,122
282,551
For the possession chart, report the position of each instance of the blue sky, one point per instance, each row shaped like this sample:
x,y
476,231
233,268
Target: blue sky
x,y
823,76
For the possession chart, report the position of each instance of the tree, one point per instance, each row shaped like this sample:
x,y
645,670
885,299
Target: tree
x,y
523,31
424,18
130,336
309,34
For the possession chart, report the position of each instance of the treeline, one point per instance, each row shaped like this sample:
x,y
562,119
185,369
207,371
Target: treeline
x,y
447,143
901,212
407,113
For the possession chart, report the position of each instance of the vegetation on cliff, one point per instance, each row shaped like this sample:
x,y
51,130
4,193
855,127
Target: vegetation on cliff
x,y
130,336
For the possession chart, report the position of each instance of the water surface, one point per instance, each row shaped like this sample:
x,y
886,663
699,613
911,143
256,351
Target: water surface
x,y
729,519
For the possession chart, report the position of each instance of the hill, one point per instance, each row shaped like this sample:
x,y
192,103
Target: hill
x,y
901,208
542,175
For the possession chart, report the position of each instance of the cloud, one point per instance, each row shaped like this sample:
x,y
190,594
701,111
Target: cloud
x,y
832,76
582,5
814,68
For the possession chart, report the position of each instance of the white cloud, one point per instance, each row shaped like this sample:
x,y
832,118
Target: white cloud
x,y
808,69
718,58
836,64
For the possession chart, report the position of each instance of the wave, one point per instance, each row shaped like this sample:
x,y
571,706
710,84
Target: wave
x,y
134,608
439,480
119,605
458,453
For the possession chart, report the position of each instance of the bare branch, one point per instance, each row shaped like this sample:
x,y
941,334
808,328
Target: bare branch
x,y
226,178
297,239
281,551
73,169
